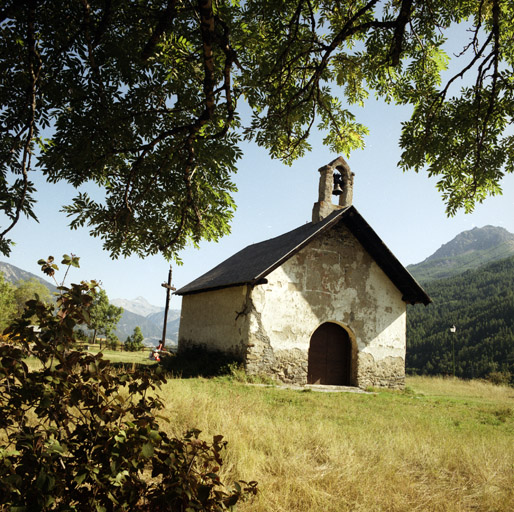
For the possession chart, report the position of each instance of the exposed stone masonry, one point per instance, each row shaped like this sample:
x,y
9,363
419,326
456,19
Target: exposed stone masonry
x,y
386,373
289,366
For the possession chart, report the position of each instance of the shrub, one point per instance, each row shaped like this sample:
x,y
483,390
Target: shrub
x,y
79,436
112,341
135,342
500,378
200,362
81,336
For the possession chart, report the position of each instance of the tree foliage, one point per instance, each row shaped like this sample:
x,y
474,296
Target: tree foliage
x,y
14,297
143,100
77,435
103,316
134,342
26,290
480,304
112,341
7,303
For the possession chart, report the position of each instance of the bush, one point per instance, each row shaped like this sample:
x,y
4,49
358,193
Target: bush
x,y
81,336
500,378
80,436
200,362
112,341
135,342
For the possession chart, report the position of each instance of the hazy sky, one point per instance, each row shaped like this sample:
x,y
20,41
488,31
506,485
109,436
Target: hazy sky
x,y
403,208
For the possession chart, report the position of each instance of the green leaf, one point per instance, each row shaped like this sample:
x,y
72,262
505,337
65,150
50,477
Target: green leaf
x,y
203,493
80,478
147,450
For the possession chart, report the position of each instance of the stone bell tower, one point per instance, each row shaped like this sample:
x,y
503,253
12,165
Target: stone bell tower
x,y
342,186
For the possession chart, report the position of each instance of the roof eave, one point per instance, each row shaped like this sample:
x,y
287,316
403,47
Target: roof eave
x,y
412,291
301,245
253,282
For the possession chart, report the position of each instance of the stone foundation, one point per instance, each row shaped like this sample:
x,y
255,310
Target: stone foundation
x,y
291,366
385,373
288,366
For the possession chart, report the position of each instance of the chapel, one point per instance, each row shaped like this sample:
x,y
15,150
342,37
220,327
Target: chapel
x,y
324,303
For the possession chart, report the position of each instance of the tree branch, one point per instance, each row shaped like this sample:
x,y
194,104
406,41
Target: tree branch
x,y
348,30
163,26
207,34
401,22
104,23
34,65
494,56
90,47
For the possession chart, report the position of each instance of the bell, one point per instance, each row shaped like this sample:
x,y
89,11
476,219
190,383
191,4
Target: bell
x,y
338,181
337,190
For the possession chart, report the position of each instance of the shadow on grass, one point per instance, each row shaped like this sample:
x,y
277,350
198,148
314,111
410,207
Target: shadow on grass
x,y
199,362
130,367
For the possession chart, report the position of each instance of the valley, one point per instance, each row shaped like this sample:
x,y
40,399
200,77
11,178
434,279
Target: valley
x,y
470,280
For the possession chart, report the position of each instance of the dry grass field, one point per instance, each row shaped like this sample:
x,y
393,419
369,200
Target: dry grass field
x,y
115,356
442,445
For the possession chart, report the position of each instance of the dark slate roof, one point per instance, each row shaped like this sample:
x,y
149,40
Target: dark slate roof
x,y
255,262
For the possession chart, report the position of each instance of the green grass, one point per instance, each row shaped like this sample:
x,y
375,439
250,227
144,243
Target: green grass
x,y
443,445
117,356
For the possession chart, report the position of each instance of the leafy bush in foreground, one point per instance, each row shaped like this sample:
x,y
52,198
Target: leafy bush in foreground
x,y
77,435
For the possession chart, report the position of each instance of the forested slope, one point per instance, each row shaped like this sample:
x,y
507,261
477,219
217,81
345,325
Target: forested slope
x,y
480,304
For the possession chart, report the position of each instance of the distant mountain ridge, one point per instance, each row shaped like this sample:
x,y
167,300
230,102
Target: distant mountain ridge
x,y
139,306
150,318
151,326
137,312
13,274
468,250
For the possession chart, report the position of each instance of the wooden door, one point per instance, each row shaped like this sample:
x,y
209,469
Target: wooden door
x,y
330,354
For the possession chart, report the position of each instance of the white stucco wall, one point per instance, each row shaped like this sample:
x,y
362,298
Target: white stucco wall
x,y
211,320
333,279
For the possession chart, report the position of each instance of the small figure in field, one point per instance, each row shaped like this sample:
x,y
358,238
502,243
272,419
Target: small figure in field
x,y
156,353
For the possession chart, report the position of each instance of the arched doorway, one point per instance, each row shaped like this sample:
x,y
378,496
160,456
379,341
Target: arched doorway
x,y
330,356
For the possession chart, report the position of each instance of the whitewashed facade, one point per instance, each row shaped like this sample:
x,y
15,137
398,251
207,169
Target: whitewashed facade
x,y
329,280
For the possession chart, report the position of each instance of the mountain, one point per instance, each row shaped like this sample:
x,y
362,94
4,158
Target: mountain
x,y
137,312
151,326
468,250
139,306
14,274
480,304
130,320
171,326
150,318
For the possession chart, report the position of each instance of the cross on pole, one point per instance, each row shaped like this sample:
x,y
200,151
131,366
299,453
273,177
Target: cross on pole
x,y
169,289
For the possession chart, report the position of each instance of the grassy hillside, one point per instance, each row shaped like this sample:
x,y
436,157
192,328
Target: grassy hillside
x,y
480,303
444,445
446,267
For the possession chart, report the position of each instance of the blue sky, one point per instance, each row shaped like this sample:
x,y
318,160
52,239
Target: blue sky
x,y
404,209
